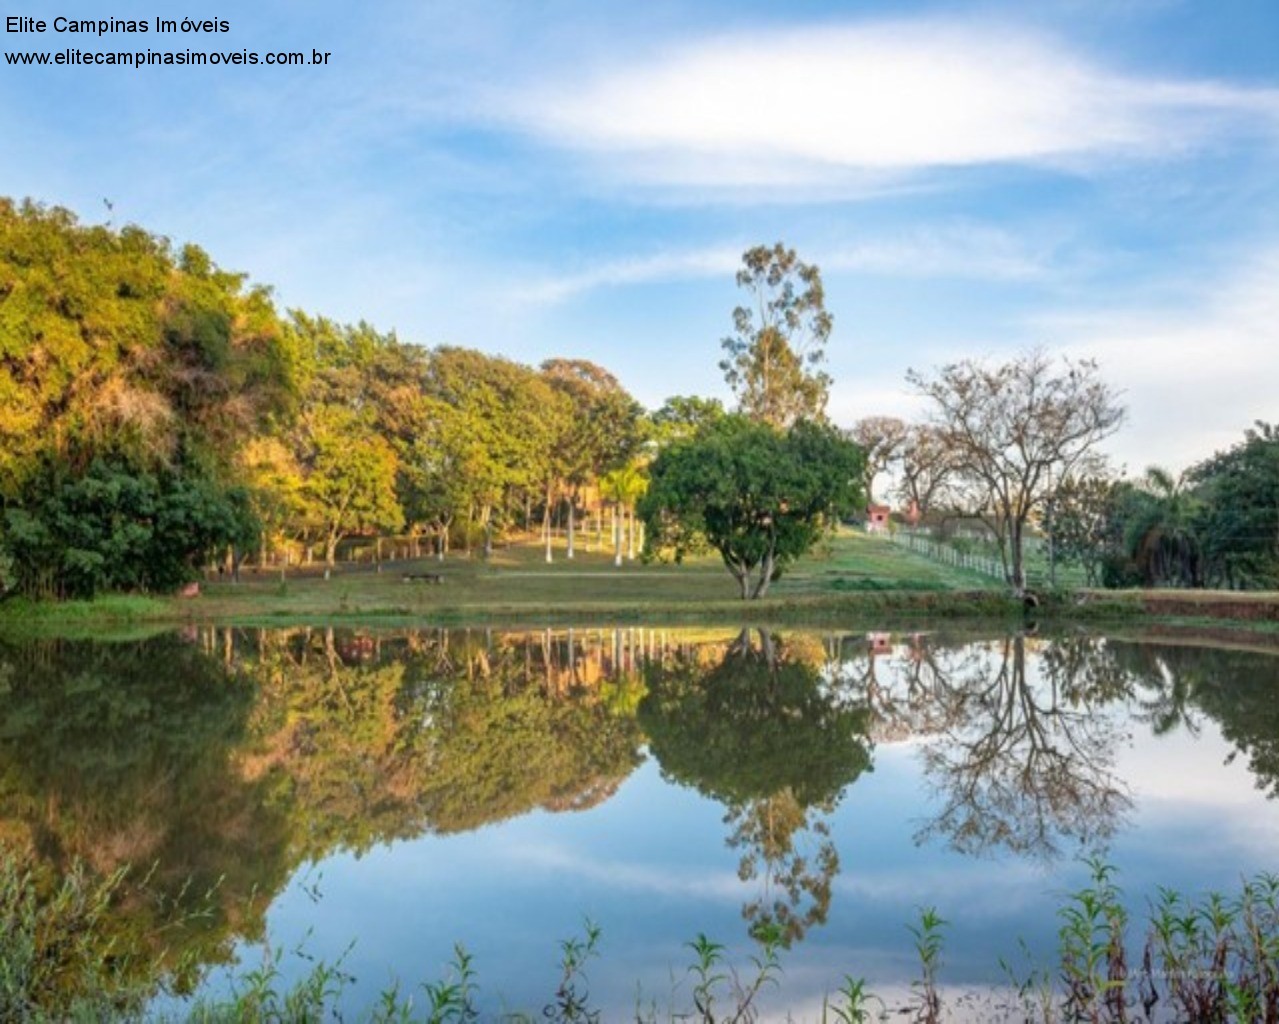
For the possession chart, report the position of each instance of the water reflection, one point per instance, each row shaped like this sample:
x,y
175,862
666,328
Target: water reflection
x,y
119,755
223,760
761,731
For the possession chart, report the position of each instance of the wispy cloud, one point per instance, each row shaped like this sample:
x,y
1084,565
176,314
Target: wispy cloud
x,y
961,250
827,104
1195,373
721,261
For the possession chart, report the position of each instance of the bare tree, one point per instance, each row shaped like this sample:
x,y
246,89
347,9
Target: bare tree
x,y
881,439
1014,427
927,469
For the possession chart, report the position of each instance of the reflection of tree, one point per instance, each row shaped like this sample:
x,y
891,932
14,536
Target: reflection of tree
x,y
1235,687
118,755
229,759
443,731
763,734
1025,763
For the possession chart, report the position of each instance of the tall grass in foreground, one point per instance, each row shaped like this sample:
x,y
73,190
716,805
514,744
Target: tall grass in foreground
x,y
1214,960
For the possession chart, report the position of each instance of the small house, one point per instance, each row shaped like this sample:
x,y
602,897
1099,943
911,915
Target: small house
x,y
877,518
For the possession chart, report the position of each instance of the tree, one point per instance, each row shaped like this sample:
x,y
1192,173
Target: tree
x,y
760,732
489,438
1239,518
1082,516
682,416
623,486
349,476
117,528
760,498
1014,427
881,439
772,361
926,469
1159,533
601,430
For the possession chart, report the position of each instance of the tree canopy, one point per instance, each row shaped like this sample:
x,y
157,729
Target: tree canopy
x,y
759,497
773,359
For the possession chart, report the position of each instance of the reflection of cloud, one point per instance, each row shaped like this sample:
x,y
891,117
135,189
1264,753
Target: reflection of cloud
x,y
660,880
818,105
963,887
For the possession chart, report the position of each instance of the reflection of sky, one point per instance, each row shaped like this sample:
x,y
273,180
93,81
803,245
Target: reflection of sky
x,y
650,866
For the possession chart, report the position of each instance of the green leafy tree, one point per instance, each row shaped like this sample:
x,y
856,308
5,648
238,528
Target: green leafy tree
x,y
490,439
682,416
601,431
117,528
1082,516
1238,520
348,476
1159,533
624,487
759,497
773,360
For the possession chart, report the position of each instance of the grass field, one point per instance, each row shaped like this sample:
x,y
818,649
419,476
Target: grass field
x,y
517,584
853,578
517,581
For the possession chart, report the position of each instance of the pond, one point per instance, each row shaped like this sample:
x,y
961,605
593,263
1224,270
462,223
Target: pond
x,y
375,798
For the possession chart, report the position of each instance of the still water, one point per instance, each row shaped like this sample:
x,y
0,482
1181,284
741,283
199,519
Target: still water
x,y
377,797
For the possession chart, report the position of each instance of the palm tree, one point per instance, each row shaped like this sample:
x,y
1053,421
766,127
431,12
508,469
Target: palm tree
x,y
1160,537
624,486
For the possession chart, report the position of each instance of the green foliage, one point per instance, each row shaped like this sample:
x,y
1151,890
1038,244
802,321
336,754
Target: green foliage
x,y
773,361
682,416
129,377
117,528
928,936
58,960
1238,520
759,497
759,733
1082,516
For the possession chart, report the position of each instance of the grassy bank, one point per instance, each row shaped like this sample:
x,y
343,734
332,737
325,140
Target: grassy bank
x,y
852,579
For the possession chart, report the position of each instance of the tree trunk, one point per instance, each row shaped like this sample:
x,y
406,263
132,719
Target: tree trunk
x,y
331,548
571,503
1018,570
546,526
617,539
765,576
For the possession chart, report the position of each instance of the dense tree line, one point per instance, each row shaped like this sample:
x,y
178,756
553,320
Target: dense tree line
x,y
158,413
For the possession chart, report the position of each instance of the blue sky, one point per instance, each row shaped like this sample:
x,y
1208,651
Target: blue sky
x,y
1097,177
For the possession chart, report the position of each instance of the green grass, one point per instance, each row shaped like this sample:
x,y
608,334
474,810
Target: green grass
x,y
851,579
850,572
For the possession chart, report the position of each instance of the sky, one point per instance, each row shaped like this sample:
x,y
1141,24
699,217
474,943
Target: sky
x,y
1097,178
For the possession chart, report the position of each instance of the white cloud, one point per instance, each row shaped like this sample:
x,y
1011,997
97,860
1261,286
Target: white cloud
x,y
863,103
961,250
1194,375
668,266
